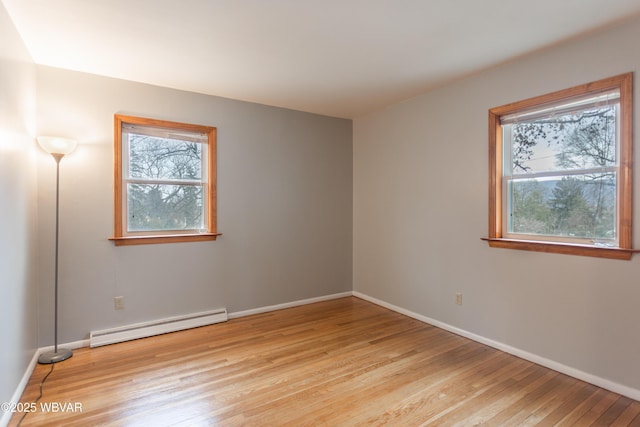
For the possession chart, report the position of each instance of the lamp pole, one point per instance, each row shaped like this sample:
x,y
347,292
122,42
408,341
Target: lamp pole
x,y
58,153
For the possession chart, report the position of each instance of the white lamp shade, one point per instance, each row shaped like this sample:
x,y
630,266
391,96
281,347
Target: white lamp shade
x,y
57,145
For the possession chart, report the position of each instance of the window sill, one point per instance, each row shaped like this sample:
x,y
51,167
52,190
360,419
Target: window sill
x,y
561,248
155,239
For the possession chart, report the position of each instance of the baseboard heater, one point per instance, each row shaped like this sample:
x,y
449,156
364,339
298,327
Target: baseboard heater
x,y
156,327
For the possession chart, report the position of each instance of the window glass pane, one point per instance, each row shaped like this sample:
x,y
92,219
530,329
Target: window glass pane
x,y
163,158
155,207
576,206
583,139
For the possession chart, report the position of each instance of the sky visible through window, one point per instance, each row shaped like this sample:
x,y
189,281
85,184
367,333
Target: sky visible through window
x,y
562,180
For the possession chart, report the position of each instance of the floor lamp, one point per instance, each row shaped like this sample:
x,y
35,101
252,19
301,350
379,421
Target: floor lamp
x,y
57,147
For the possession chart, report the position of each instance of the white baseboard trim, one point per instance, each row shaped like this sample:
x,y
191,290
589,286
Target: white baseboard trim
x,y
288,305
6,415
548,363
70,345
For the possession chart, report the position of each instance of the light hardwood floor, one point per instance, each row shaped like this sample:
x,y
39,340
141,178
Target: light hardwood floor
x,y
337,363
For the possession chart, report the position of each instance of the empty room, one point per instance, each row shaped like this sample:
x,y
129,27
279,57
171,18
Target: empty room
x,y
338,213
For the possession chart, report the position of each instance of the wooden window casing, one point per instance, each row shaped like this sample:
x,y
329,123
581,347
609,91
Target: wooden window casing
x,y
121,237
624,83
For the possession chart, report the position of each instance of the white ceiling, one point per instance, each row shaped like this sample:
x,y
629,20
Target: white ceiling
x,y
341,58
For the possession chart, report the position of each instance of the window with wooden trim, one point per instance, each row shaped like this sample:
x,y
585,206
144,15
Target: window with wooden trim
x,y
560,171
164,181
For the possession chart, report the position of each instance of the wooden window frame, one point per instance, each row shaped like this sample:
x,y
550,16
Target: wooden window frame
x,y
120,238
624,251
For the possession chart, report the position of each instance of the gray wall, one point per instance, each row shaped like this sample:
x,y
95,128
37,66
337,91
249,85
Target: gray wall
x,y
17,209
420,209
284,208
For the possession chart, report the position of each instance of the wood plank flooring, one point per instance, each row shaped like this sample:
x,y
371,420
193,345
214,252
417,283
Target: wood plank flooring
x,y
344,362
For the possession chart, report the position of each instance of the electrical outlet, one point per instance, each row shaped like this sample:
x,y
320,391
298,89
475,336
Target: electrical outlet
x,y
118,303
459,298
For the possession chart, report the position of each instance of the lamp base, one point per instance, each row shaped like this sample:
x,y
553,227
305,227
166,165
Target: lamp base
x,y
49,357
